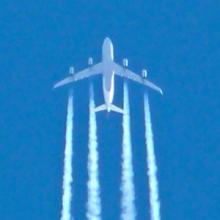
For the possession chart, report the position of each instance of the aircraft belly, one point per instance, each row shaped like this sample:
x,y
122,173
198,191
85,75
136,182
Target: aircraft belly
x,y
108,92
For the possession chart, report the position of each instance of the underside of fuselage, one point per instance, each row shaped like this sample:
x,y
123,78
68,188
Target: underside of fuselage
x,y
107,50
108,73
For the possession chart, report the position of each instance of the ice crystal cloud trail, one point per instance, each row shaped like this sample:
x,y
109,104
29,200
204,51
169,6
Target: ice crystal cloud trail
x,y
151,162
128,211
67,175
94,201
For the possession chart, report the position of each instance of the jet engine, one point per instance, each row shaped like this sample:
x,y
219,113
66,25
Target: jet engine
x,y
71,70
125,62
90,61
144,73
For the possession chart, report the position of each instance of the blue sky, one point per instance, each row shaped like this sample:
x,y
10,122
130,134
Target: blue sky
x,y
177,41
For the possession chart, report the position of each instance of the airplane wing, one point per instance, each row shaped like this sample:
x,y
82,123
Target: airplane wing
x,y
91,71
124,72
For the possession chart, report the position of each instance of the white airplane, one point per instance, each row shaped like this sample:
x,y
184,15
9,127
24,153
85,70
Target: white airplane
x,y
108,68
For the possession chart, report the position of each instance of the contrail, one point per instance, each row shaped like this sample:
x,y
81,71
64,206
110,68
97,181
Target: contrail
x,y
67,176
127,184
94,201
151,161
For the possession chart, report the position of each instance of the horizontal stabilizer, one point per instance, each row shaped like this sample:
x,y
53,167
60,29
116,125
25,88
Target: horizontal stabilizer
x,y
112,108
100,108
116,109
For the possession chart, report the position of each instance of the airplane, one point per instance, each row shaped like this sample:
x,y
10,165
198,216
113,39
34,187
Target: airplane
x,y
108,69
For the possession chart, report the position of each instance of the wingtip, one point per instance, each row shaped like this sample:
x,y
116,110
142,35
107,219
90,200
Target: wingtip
x,y
57,85
54,86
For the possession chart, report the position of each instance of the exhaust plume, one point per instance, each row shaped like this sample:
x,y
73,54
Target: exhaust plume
x,y
127,184
94,201
67,176
151,163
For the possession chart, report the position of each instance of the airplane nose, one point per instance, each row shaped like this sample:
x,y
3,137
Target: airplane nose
x,y
107,40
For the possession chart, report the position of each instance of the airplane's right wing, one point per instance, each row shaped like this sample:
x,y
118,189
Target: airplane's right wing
x,y
91,71
124,72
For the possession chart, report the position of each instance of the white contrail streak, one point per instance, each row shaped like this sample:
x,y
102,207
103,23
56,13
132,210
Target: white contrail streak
x,y
127,184
151,161
67,176
94,201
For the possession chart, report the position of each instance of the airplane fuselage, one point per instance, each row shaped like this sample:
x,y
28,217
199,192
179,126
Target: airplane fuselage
x,y
108,72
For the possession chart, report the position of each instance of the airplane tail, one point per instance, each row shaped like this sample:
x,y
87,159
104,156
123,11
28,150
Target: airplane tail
x,y
100,108
112,108
116,109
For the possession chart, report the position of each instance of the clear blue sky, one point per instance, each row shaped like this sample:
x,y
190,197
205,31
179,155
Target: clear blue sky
x,y
178,42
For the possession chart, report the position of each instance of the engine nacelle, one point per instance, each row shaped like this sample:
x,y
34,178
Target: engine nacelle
x,y
90,61
144,73
71,70
125,62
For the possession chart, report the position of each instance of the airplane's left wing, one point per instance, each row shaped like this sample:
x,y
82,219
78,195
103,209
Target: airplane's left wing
x,y
124,72
91,71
